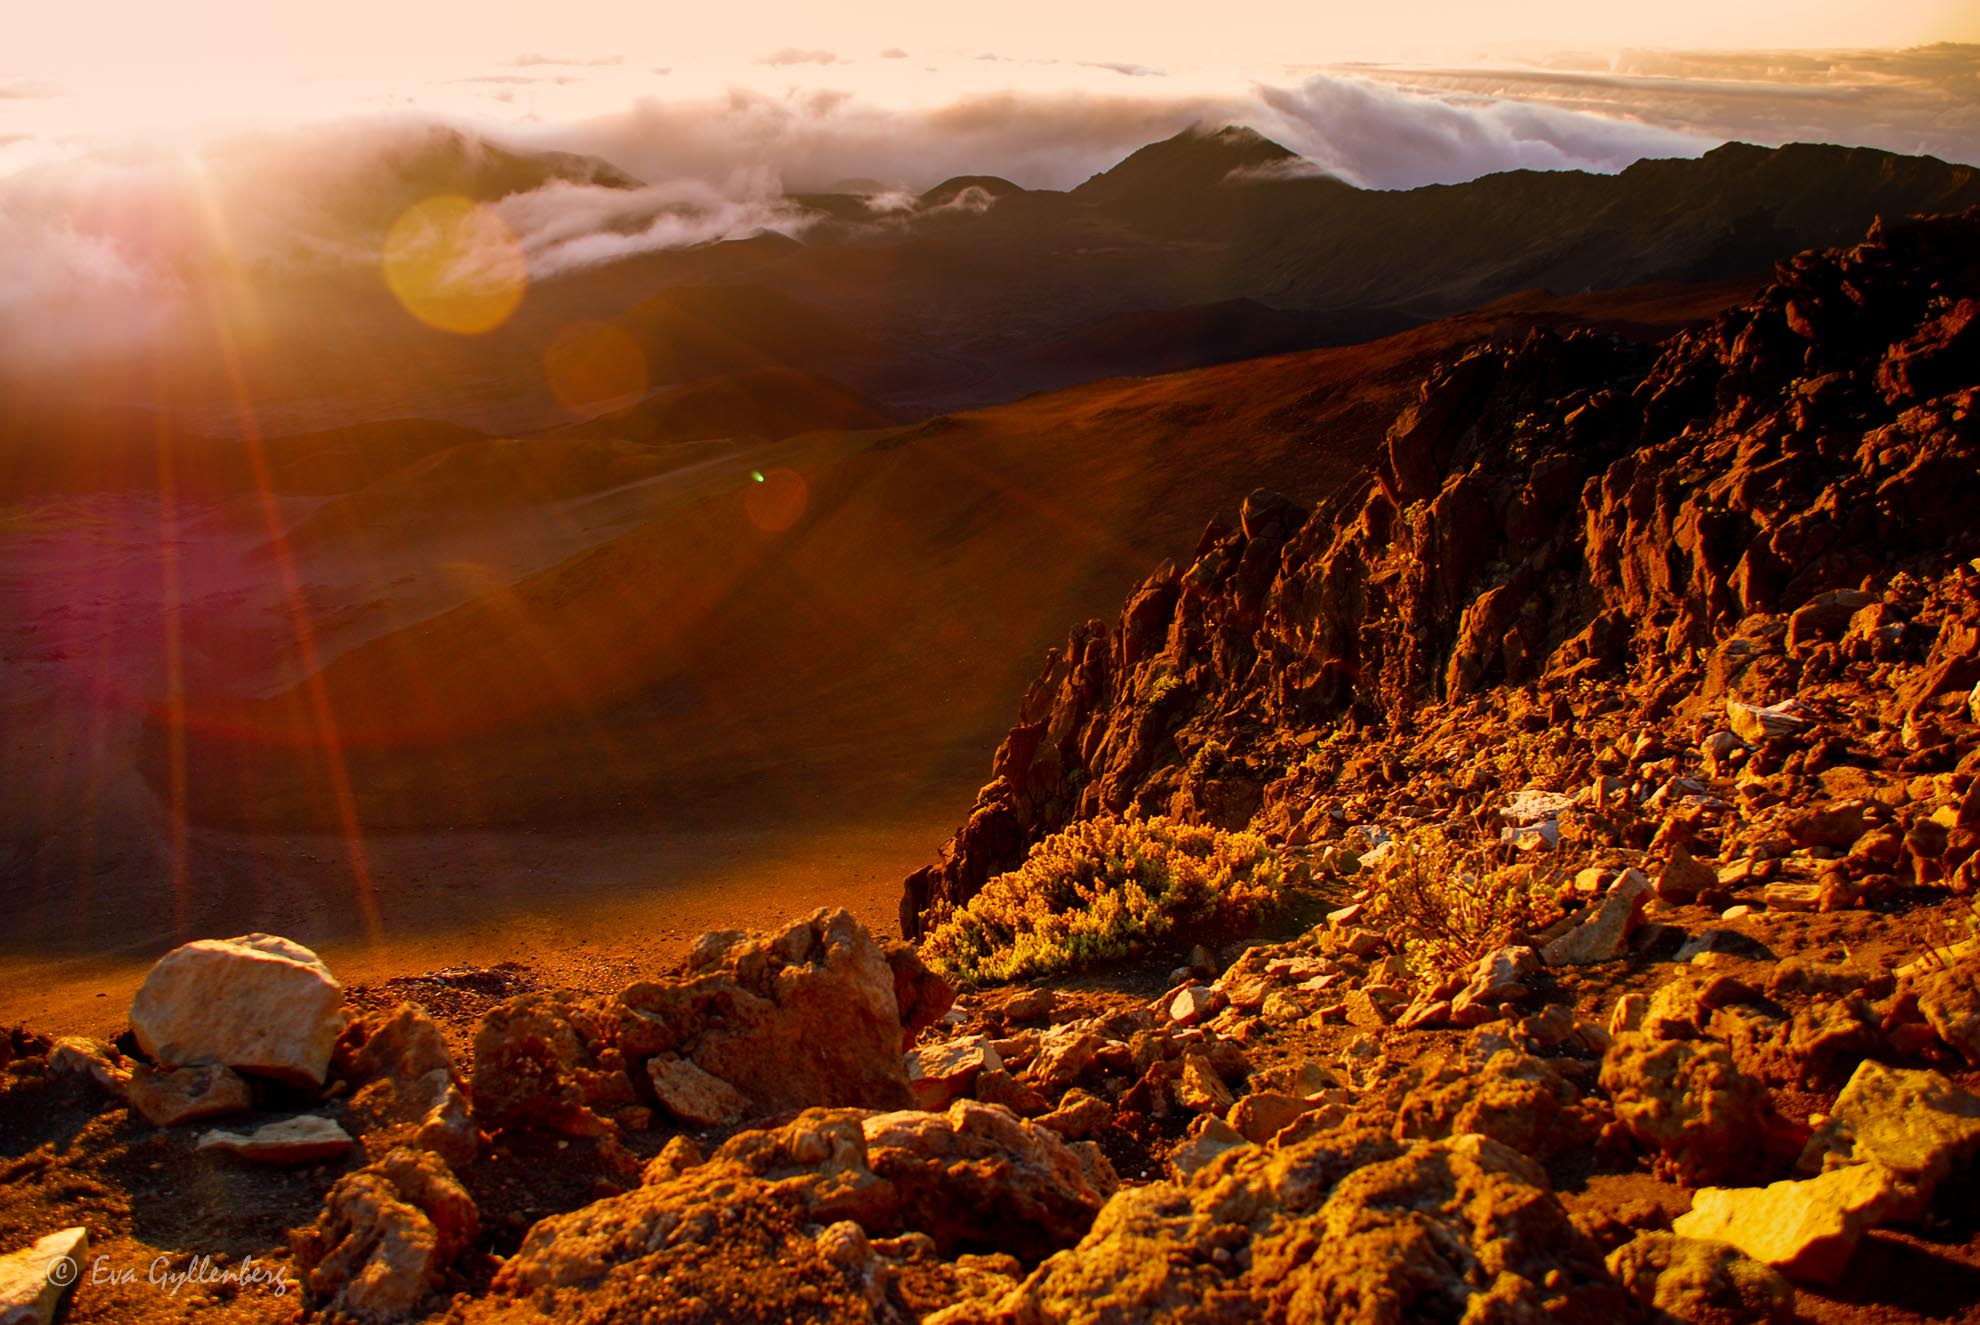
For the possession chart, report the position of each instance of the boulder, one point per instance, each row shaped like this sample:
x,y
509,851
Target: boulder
x,y
1688,1101
1917,1125
1078,1116
31,1287
1807,1230
78,1056
1192,1005
1604,935
535,1067
800,1018
1515,1098
980,1178
1950,999
186,1094
1837,824
385,1240
804,1016
1064,1054
693,1096
1501,976
258,1004
940,1073
307,1139
1209,1136
1260,1117
1200,1090
1683,878
1701,1283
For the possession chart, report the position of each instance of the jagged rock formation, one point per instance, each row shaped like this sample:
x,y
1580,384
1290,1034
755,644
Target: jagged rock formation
x,y
1561,509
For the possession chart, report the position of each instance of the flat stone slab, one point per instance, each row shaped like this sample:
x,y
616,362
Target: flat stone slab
x,y
1806,1230
305,1140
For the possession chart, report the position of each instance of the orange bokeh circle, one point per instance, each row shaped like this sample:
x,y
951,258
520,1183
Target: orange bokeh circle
x,y
595,368
454,264
775,500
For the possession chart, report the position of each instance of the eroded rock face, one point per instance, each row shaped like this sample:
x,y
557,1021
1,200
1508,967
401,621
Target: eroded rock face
x,y
1349,1226
387,1238
257,1003
1543,512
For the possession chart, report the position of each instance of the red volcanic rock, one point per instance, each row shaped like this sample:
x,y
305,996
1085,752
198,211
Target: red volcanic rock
x,y
1544,510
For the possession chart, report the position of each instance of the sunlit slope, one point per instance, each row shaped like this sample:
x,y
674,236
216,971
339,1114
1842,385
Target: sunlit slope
x,y
834,622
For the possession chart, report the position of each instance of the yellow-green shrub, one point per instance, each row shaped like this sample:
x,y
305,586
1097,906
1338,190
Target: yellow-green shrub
x,y
1451,904
1086,894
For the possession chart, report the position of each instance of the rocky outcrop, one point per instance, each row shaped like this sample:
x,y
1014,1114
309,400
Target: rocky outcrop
x,y
405,1087
751,1026
257,1004
1350,1226
1564,508
801,1214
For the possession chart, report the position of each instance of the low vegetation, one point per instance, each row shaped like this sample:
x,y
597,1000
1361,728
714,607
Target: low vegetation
x,y
1454,905
1103,888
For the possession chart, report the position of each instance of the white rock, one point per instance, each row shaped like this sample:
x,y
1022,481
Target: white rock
x,y
34,1279
1754,724
1533,806
301,1140
257,1003
941,1073
1806,1230
1191,1005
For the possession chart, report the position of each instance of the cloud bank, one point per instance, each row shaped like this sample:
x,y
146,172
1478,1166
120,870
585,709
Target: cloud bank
x,y
100,242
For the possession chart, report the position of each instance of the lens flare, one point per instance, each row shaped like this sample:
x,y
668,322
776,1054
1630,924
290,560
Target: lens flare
x,y
455,265
776,500
595,368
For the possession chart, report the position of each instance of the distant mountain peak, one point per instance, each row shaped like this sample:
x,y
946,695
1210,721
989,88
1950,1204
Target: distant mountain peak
x,y
1200,157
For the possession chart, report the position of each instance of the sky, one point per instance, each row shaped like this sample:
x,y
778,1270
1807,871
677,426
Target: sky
x,y
123,124
122,64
